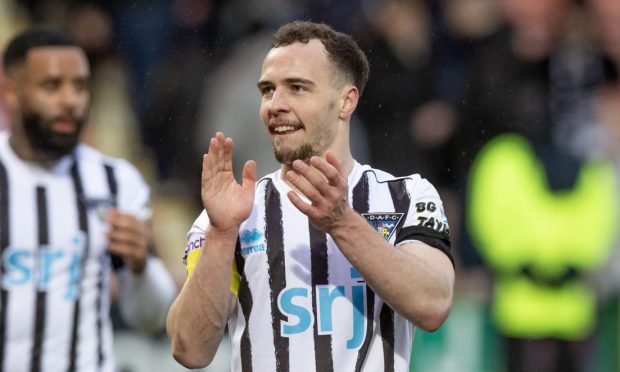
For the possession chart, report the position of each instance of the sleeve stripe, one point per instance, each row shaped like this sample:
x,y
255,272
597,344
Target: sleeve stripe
x,y
429,236
192,259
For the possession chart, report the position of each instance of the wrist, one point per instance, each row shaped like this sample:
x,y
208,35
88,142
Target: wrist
x,y
345,225
214,234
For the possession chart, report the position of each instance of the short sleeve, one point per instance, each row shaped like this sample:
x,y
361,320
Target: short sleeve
x,y
426,218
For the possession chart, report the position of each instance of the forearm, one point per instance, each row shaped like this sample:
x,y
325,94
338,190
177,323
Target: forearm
x,y
146,297
198,317
414,279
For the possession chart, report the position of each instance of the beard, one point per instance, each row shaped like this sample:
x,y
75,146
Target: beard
x,y
303,152
49,144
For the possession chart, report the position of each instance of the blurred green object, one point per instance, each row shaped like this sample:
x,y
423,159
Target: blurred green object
x,y
540,242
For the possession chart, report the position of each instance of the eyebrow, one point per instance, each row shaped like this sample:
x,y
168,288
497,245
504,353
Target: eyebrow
x,y
293,80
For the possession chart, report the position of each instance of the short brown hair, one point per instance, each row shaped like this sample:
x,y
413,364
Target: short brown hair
x,y
341,48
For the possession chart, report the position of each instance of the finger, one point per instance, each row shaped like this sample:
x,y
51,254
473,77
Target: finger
x,y
305,187
206,169
313,175
330,167
249,176
126,237
126,250
209,159
303,207
228,148
126,221
331,158
220,151
120,249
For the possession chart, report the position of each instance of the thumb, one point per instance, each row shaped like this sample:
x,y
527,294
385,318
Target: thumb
x,y
249,175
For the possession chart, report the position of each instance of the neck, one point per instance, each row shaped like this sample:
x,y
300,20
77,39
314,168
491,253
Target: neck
x,y
21,147
26,152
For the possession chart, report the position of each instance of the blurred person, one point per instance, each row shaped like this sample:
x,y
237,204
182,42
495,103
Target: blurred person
x,y
113,128
509,84
526,125
398,45
533,77
68,216
319,279
544,244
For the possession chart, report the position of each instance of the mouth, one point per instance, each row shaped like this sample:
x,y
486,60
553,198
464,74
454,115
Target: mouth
x,y
283,128
64,125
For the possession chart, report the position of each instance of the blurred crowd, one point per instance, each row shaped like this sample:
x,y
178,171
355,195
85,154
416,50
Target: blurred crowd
x,y
447,76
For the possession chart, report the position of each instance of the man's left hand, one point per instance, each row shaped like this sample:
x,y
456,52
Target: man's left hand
x,y
128,238
321,181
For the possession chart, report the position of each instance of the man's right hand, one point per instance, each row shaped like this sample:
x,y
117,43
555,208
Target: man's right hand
x,y
227,202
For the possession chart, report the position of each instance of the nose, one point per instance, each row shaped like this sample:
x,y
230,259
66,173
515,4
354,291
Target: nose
x,y
69,97
278,102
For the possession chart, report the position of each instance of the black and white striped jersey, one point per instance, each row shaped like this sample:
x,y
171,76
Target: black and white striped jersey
x,y
302,305
54,298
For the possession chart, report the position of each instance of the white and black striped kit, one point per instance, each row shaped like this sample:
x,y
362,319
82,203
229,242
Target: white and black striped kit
x,y
302,306
54,304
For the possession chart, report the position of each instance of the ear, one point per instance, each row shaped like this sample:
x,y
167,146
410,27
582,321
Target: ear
x,y
10,93
350,96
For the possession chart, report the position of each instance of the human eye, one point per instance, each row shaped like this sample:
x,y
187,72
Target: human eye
x,y
298,88
81,85
266,90
50,85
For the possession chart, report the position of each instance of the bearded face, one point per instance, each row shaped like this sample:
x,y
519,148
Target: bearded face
x,y
53,101
47,141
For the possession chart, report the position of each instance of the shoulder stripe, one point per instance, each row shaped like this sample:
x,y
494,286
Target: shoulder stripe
x,y
401,200
323,358
274,235
117,262
386,320
41,297
361,203
83,226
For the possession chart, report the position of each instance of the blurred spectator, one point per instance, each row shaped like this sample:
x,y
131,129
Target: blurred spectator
x,y
537,78
528,222
398,46
508,85
162,43
113,127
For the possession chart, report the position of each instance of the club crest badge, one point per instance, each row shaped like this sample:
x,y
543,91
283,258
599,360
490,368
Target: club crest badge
x,y
384,223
